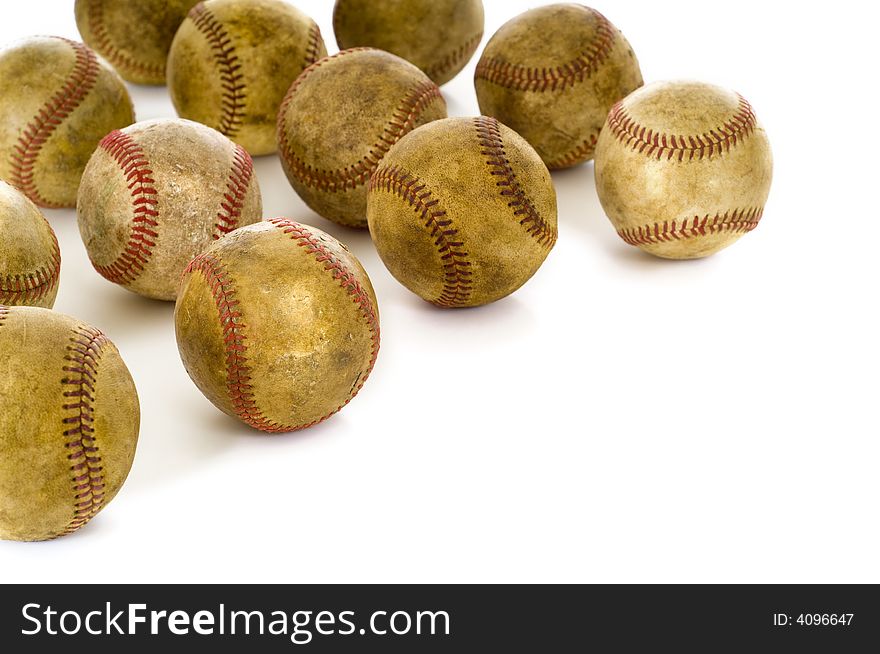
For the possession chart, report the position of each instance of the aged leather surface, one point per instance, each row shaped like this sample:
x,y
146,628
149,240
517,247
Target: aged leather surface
x,y
69,424
30,261
338,120
277,324
683,169
462,211
552,74
133,35
57,100
231,63
438,36
156,194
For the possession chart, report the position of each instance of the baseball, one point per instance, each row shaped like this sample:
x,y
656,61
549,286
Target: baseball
x,y
683,169
57,101
552,74
462,211
438,36
232,61
133,35
277,324
69,425
30,261
155,195
328,156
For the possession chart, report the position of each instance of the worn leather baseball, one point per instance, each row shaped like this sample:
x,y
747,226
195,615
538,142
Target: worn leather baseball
x,y
69,424
232,61
156,194
462,211
683,169
57,100
30,261
133,35
438,36
552,74
277,324
329,155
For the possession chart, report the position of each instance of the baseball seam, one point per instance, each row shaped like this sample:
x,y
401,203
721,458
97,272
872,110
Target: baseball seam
x,y
453,58
581,153
4,313
313,48
33,286
552,78
492,146
408,111
233,95
81,375
736,221
105,46
457,282
135,166
23,158
656,144
237,186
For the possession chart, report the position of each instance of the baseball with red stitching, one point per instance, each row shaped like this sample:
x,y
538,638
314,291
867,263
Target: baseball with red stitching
x,y
683,169
438,36
156,194
30,261
232,61
462,211
133,35
57,101
69,424
277,324
328,156
552,74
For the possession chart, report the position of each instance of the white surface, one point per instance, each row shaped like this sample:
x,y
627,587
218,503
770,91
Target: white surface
x,y
620,419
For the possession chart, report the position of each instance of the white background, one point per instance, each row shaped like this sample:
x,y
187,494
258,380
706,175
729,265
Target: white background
x,y
620,419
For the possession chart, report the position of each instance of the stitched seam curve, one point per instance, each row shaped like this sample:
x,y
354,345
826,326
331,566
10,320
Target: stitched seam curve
x,y
582,152
237,186
452,59
510,189
33,286
659,145
553,78
80,380
23,158
736,221
117,57
134,165
233,96
457,274
4,313
313,48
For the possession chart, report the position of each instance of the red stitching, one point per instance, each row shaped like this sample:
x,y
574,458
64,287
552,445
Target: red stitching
x,y
81,375
236,189
451,60
238,372
556,78
145,208
118,58
736,221
23,158
411,106
493,147
581,153
313,50
4,313
231,76
697,146
32,287
457,284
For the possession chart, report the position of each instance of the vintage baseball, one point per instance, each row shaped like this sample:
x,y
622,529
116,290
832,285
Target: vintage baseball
x,y
57,101
683,169
30,261
158,193
339,119
69,424
232,61
277,324
462,211
438,36
552,74
133,35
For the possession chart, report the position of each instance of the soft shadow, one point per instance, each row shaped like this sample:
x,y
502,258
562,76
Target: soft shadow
x,y
120,311
579,207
